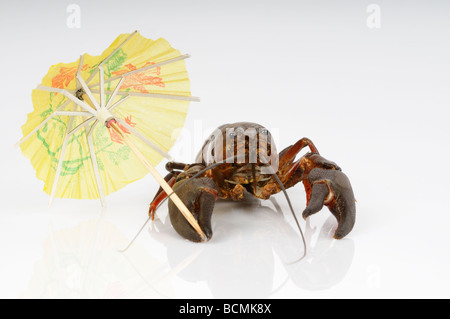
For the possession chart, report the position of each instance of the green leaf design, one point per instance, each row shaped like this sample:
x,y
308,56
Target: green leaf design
x,y
115,62
102,142
124,153
73,166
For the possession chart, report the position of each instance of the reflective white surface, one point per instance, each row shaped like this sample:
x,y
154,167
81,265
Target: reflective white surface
x,y
254,253
71,250
375,101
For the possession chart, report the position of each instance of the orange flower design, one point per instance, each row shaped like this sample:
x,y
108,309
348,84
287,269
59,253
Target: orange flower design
x,y
65,76
115,137
138,81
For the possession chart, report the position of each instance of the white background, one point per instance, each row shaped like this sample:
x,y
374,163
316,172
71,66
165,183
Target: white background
x,y
376,101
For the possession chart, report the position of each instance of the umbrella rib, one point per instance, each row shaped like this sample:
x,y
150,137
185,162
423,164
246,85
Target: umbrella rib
x,y
156,95
102,85
96,169
144,139
88,91
112,107
60,161
119,47
86,122
110,56
69,133
42,124
68,113
79,69
92,75
145,68
71,97
113,95
91,129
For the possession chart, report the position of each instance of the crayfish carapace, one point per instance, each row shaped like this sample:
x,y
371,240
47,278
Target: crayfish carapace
x,y
240,160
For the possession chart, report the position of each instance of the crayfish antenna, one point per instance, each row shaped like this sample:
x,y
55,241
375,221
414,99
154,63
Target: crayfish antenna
x,y
293,214
135,237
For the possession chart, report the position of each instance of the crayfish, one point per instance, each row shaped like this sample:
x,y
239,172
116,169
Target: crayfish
x,y
240,160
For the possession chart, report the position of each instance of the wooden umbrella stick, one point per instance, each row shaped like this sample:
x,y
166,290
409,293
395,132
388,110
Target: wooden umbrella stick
x,y
166,187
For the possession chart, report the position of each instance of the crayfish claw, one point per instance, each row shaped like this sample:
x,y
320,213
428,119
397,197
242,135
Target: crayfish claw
x,y
318,194
199,196
332,188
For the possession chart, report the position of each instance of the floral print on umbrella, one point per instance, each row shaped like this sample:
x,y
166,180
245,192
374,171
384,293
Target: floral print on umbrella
x,y
115,137
65,76
138,81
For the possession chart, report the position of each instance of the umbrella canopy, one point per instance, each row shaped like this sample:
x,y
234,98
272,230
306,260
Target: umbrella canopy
x,y
104,121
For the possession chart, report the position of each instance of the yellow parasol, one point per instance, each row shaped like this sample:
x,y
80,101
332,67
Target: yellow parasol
x,y
105,121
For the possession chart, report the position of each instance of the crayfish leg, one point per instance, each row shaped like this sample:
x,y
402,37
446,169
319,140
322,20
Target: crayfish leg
x,y
161,194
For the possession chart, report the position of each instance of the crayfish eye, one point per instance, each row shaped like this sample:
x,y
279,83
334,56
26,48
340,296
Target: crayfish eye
x,y
264,131
232,135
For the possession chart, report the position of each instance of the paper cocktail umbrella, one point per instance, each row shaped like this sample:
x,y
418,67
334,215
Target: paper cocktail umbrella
x,y
105,121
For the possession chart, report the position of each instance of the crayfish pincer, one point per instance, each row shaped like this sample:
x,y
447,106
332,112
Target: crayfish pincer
x,y
239,160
